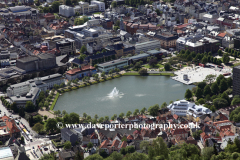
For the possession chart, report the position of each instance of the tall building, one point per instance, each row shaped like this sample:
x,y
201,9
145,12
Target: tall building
x,y
66,11
40,62
66,46
236,80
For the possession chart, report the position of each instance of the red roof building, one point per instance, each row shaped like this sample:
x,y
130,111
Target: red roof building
x,y
8,129
80,72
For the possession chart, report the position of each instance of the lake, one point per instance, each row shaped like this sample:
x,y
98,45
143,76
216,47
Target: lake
x,y
136,92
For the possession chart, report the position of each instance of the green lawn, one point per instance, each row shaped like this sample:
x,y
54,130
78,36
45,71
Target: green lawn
x,y
97,13
231,59
151,74
237,64
157,66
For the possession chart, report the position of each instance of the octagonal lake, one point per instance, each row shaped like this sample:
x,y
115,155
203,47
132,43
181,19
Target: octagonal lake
x,y
131,92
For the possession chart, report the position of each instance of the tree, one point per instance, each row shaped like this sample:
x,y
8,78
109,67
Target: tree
x,y
153,110
83,49
130,149
89,145
123,151
135,113
160,147
103,75
128,113
157,11
96,116
116,156
94,157
144,145
226,97
67,145
151,153
202,85
236,100
220,103
106,118
45,117
137,66
21,112
223,85
201,101
215,88
167,66
225,58
117,70
143,110
46,10
74,118
210,78
64,112
68,2
55,6
121,115
136,156
22,139
229,81
82,56
219,78
114,4
152,62
219,52
124,139
29,106
142,71
51,124
207,90
207,152
164,105
188,94
38,127
84,115
199,93
14,107
204,60
78,155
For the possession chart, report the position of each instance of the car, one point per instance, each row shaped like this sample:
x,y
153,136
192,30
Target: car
x,y
152,70
33,147
45,148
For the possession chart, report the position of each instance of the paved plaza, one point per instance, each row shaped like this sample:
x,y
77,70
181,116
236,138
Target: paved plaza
x,y
198,74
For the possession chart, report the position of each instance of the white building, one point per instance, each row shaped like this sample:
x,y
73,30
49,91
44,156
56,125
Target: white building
x,y
184,108
101,5
66,11
225,140
44,83
106,67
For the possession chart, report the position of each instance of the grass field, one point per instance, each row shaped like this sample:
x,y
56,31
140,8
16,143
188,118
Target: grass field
x,y
157,66
151,74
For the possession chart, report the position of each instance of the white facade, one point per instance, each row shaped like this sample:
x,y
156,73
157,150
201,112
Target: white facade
x,y
225,140
184,108
44,83
66,11
106,67
101,5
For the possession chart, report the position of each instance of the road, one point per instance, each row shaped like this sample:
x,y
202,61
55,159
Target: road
x,y
25,122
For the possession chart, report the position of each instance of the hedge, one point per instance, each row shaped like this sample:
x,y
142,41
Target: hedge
x,y
57,145
55,101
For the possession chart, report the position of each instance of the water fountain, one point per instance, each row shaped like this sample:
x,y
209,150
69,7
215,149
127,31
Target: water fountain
x,y
114,93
